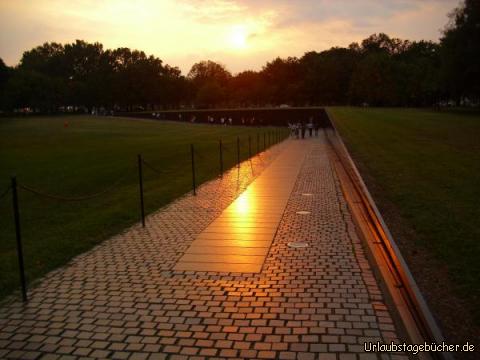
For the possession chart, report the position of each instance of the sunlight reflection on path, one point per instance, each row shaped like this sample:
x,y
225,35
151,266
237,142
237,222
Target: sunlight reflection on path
x,y
239,239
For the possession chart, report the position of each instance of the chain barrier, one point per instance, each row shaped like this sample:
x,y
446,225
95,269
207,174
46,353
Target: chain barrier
x,y
7,190
227,148
251,165
248,146
74,198
199,155
15,185
151,167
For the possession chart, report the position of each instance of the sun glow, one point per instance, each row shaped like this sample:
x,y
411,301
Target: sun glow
x,y
238,37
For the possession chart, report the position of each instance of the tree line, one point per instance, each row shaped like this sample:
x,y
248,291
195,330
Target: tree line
x,y
379,71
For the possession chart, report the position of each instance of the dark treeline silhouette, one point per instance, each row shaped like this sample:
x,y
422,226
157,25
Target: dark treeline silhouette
x,y
380,71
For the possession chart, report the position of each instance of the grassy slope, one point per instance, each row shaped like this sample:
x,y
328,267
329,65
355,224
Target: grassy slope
x,y
87,157
428,164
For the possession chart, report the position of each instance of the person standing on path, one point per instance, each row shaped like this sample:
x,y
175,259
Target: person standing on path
x,y
303,127
292,128
316,126
310,126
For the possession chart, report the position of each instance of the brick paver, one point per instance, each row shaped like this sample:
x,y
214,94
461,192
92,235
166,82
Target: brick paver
x,y
124,300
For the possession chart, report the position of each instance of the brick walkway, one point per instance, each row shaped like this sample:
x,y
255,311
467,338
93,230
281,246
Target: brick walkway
x,y
123,300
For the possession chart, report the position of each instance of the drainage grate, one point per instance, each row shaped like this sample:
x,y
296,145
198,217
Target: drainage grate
x,y
297,245
303,212
307,194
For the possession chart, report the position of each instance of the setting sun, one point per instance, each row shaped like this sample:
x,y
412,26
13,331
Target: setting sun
x,y
238,37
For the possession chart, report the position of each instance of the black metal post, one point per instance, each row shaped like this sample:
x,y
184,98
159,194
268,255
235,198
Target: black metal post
x,y
193,170
238,151
140,185
220,147
258,143
249,146
264,141
18,235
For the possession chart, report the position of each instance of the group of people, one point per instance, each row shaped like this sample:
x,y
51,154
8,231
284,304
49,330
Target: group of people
x,y
222,121
299,129
229,121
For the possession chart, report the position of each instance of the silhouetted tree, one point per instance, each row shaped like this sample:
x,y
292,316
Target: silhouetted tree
x,y
5,73
247,89
283,81
373,81
461,52
418,74
209,76
380,71
327,75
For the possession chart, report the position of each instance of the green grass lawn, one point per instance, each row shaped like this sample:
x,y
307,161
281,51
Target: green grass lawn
x,y
428,164
86,157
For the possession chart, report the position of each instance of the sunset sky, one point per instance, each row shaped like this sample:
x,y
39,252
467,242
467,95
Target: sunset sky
x,y
241,34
